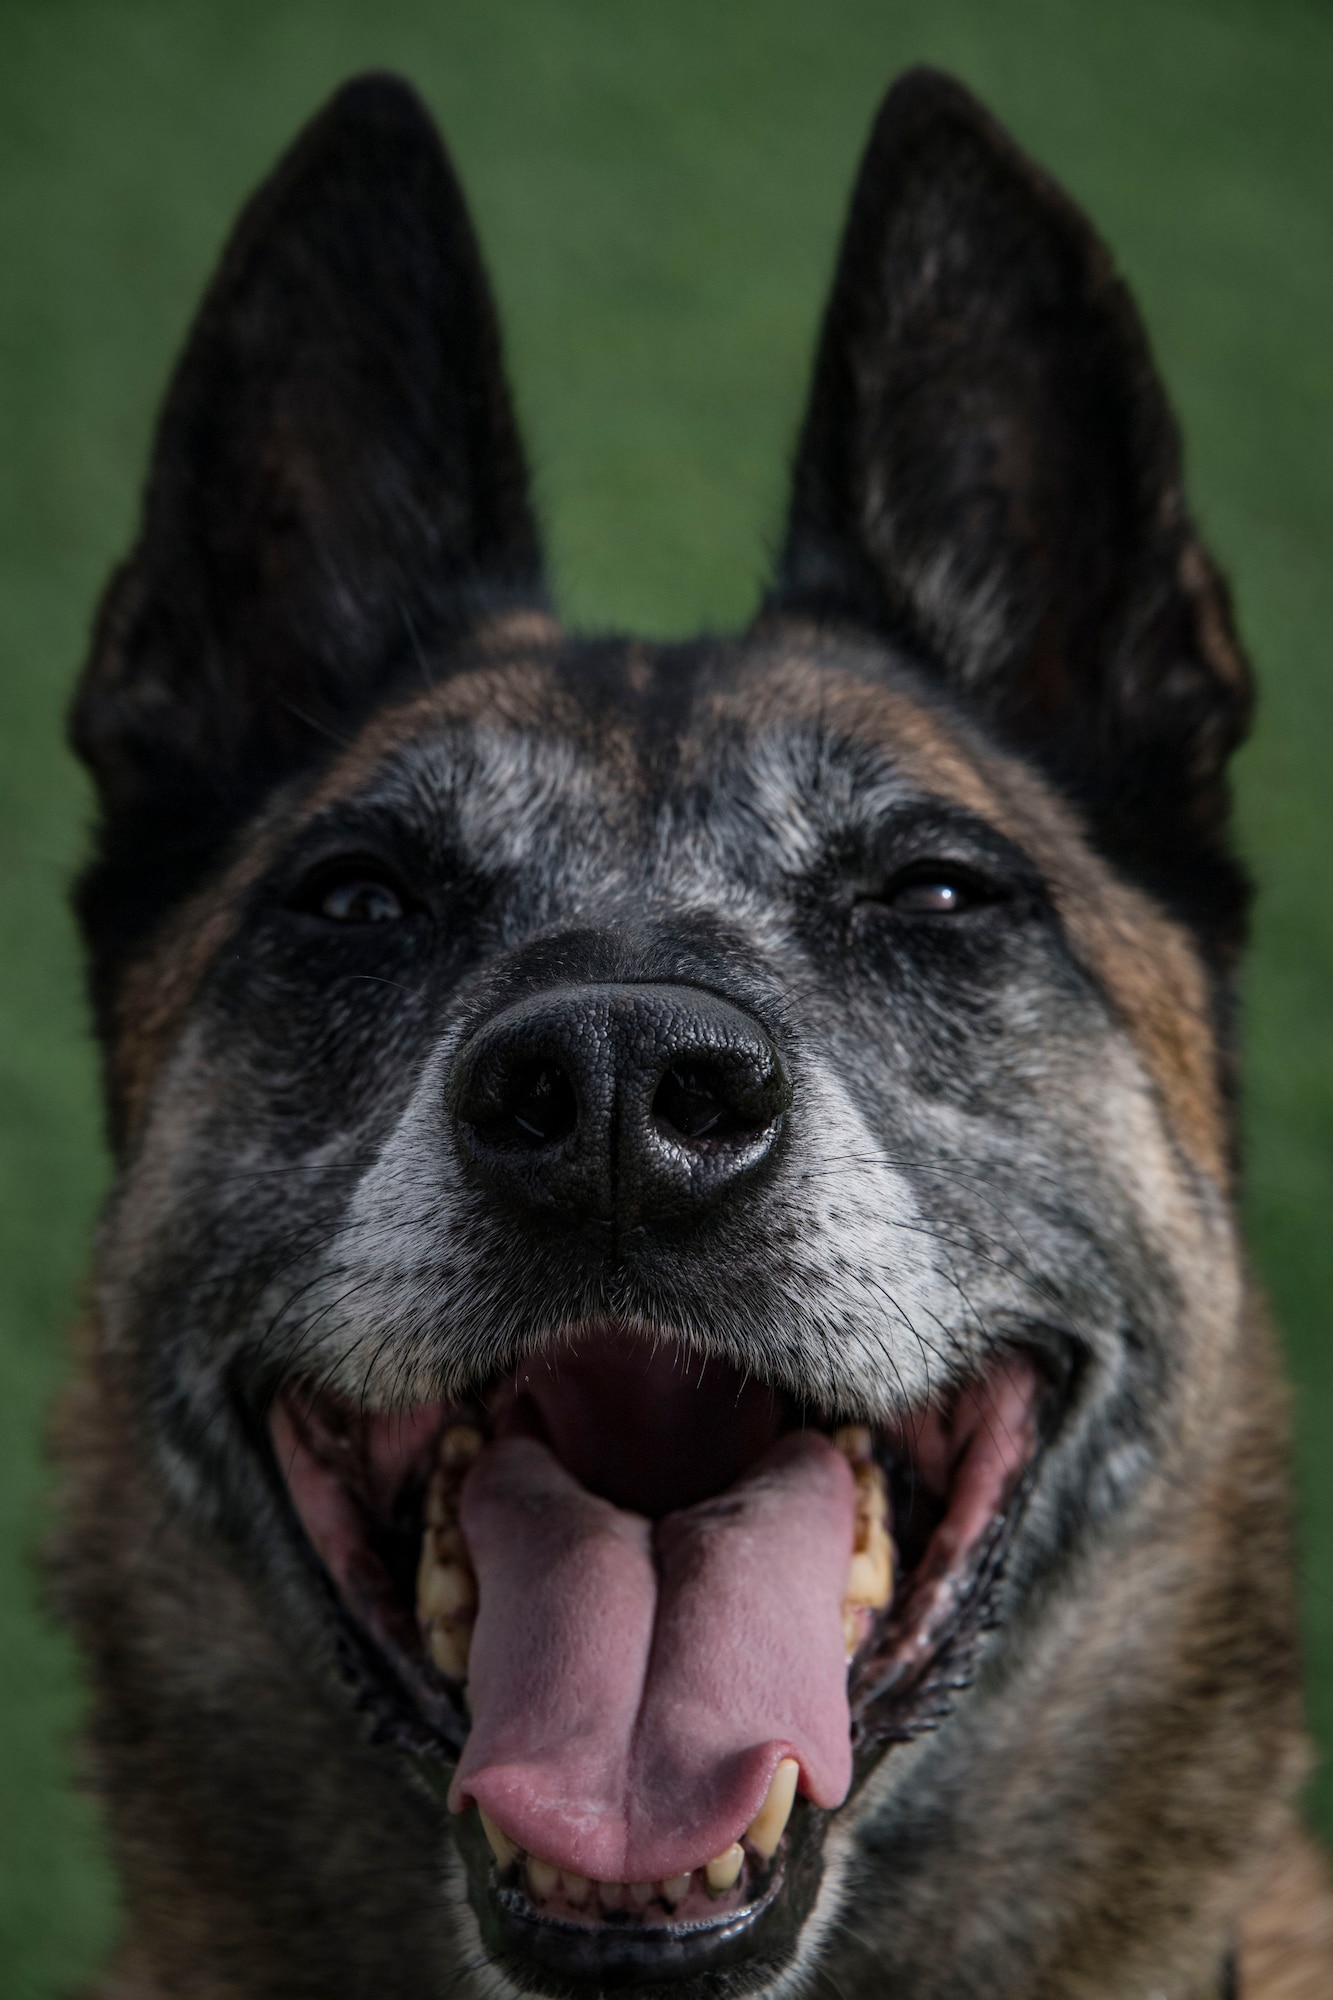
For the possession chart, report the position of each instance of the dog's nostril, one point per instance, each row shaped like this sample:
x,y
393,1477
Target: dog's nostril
x,y
695,1101
540,1109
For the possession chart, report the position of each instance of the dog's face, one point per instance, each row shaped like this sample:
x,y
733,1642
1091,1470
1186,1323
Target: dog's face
x,y
674,1228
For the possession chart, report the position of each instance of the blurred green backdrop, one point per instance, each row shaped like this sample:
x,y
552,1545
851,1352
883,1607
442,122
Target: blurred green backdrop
x,y
659,188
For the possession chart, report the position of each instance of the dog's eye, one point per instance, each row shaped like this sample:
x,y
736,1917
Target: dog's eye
x,y
359,893
930,899
934,893
361,902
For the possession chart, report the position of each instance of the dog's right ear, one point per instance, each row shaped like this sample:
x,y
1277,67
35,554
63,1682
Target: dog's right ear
x,y
337,482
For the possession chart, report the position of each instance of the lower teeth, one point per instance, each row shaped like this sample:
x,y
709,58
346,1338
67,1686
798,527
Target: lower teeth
x,y
721,1874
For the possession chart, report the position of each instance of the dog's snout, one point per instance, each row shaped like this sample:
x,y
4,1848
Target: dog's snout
x,y
624,1103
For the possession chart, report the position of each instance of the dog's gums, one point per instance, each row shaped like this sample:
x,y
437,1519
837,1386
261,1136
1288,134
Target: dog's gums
x,y
656,1598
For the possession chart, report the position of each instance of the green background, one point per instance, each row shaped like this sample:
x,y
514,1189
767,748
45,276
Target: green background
x,y
659,189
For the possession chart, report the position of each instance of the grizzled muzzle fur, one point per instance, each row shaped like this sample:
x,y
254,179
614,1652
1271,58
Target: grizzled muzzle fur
x,y
672,1402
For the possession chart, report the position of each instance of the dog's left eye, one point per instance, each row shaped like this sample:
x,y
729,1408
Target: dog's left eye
x,y
934,893
931,899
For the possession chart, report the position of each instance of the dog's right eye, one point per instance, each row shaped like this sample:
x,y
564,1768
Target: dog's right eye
x,y
361,902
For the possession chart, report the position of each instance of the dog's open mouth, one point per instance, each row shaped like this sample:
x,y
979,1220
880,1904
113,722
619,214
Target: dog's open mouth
x,y
656,1610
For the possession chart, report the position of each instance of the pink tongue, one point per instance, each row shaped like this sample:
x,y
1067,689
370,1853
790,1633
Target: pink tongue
x,y
634,1687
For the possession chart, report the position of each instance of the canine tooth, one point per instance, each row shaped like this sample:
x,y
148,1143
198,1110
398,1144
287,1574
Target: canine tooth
x,y
642,1893
770,1822
676,1888
460,1445
723,1871
853,1630
446,1589
501,1846
576,1887
448,1646
542,1877
853,1441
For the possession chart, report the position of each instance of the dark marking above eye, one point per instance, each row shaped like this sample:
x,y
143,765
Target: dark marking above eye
x,y
361,899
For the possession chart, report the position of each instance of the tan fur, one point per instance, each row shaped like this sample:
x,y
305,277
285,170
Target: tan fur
x,y
171,1613
1286,1934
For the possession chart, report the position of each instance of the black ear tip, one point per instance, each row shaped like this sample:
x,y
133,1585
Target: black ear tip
x,y
375,133
924,100
381,101
923,87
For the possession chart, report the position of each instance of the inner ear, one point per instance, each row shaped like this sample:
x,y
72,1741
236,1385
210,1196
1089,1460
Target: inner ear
x,y
337,489
989,474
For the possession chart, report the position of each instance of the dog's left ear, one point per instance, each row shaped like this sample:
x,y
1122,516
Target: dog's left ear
x,y
337,488
989,473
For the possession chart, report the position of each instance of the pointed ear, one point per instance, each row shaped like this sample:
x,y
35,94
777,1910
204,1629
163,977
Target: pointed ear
x,y
989,473
337,481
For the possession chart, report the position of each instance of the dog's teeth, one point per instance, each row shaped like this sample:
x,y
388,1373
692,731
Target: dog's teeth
x,y
448,1646
426,1564
542,1877
870,1577
676,1888
612,1895
642,1893
446,1590
501,1846
872,1500
853,1441
770,1822
445,1543
459,1446
576,1887
446,1586
723,1871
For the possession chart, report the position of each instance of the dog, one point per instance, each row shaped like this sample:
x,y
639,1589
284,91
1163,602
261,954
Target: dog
x,y
672,1401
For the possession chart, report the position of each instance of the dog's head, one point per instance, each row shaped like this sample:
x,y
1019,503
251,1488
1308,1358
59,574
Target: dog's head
x,y
720,1151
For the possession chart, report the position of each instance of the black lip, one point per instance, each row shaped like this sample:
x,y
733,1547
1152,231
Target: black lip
x,y
746,1949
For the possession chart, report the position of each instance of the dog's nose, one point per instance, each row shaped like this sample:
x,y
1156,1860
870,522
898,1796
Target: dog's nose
x,y
626,1103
